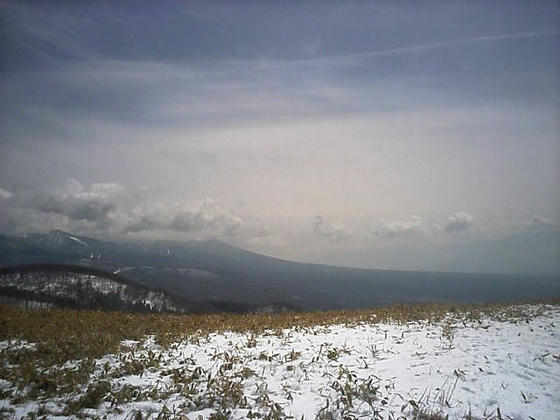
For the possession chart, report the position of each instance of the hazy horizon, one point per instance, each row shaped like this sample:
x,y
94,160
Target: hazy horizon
x,y
374,135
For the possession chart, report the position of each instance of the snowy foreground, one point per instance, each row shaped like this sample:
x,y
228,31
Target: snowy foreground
x,y
482,368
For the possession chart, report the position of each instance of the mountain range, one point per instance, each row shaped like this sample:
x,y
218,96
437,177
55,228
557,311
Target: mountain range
x,y
230,278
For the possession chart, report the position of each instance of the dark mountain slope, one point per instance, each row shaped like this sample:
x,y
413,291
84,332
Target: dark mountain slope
x,y
214,271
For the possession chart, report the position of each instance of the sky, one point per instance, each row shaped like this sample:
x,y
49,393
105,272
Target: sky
x,y
404,135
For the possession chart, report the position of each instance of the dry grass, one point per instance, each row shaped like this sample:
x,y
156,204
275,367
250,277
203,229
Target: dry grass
x,y
66,343
63,334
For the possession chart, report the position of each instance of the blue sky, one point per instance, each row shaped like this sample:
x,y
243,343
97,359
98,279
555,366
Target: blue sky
x,y
372,134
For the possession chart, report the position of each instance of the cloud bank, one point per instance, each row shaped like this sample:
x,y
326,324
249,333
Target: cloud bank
x,y
112,209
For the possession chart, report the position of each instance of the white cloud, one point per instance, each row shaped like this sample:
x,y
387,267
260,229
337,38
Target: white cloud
x,y
398,228
542,222
81,202
537,223
5,194
459,221
204,216
268,241
335,232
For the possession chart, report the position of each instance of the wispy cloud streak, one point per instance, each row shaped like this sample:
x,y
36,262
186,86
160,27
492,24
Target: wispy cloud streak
x,y
427,46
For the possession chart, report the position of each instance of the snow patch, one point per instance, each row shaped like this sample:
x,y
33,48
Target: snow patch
x,y
78,240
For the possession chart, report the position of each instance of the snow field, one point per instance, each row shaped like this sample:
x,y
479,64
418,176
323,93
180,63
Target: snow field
x,y
461,367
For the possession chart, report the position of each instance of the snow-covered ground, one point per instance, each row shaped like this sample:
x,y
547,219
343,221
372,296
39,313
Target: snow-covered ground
x,y
485,368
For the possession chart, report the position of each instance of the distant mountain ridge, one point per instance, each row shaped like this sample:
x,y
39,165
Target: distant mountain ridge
x,y
213,271
85,287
